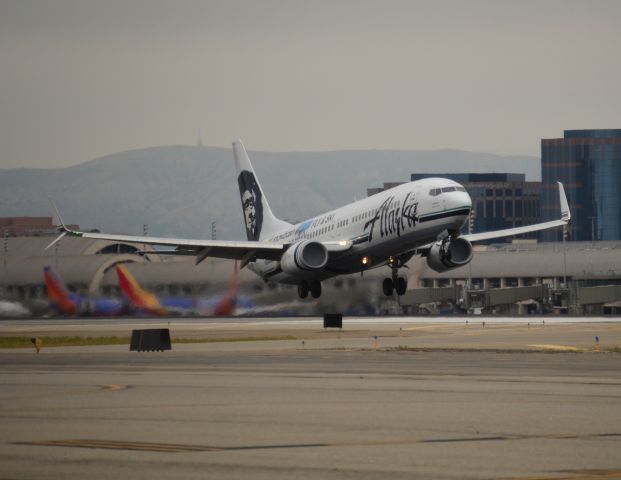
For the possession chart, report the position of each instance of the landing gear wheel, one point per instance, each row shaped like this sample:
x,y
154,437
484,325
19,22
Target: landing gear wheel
x,y
388,286
401,286
303,289
315,288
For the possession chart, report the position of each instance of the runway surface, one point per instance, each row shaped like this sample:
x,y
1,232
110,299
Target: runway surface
x,y
335,405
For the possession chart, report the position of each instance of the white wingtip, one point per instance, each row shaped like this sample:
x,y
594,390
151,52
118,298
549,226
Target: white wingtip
x,y
57,212
565,213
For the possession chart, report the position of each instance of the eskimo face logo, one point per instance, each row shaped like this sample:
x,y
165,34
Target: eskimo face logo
x,y
251,203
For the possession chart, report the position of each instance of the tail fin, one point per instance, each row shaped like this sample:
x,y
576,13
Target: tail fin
x,y
259,219
137,296
58,294
226,305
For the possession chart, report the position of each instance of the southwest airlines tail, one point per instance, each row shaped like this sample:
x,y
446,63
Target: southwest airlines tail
x,y
57,293
137,296
258,217
226,305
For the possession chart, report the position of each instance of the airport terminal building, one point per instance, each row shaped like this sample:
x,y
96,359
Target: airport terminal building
x,y
87,266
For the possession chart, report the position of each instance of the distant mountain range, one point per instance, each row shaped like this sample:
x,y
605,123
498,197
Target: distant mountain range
x,y
180,190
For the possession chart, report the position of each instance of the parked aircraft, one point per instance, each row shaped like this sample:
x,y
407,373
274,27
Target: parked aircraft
x,y
65,302
144,301
423,217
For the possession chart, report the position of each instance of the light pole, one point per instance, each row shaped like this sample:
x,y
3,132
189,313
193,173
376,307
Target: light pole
x,y
6,246
592,228
564,256
145,232
470,230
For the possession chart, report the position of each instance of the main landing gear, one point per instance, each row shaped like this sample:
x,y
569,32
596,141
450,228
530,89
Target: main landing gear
x,y
396,283
314,287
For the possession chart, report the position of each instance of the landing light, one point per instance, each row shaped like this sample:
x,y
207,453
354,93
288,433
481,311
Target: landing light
x,y
365,260
342,243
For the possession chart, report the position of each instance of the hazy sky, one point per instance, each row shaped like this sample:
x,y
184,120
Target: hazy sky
x,y
82,78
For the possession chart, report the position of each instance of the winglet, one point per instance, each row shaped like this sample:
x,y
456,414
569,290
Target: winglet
x,y
63,229
565,213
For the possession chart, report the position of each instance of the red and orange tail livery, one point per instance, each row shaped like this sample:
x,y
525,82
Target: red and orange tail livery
x,y
65,302
139,298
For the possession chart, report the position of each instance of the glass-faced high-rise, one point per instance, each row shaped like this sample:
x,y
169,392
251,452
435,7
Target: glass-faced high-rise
x,y
588,162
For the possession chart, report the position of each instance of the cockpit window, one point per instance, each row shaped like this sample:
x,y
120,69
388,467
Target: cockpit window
x,y
434,192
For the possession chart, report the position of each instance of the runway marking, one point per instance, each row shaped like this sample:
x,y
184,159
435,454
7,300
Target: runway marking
x,y
558,348
178,448
120,445
114,387
575,475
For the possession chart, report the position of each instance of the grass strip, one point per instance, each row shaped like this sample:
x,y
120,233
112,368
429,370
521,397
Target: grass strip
x,y
77,341
233,339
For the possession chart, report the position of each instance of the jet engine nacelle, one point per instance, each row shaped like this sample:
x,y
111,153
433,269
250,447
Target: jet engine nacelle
x,y
449,254
305,256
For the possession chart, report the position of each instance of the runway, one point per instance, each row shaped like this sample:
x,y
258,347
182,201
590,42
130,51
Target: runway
x,y
335,405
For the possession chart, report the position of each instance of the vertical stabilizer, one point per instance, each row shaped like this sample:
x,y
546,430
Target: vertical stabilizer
x,y
58,294
226,305
259,220
139,298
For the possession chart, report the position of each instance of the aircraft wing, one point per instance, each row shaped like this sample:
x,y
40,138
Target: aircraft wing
x,y
201,248
245,251
564,220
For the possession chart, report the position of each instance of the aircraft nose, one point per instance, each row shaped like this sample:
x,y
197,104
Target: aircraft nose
x,y
467,200
460,200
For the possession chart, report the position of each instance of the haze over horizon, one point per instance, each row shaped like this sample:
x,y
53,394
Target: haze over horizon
x,y
82,78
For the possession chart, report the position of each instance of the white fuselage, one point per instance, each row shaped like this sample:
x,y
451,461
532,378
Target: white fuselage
x,y
382,227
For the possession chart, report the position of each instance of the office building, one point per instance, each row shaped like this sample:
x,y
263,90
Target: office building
x,y
588,162
28,226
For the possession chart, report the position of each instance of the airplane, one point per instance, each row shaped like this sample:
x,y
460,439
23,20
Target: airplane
x,y
423,217
66,302
142,300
